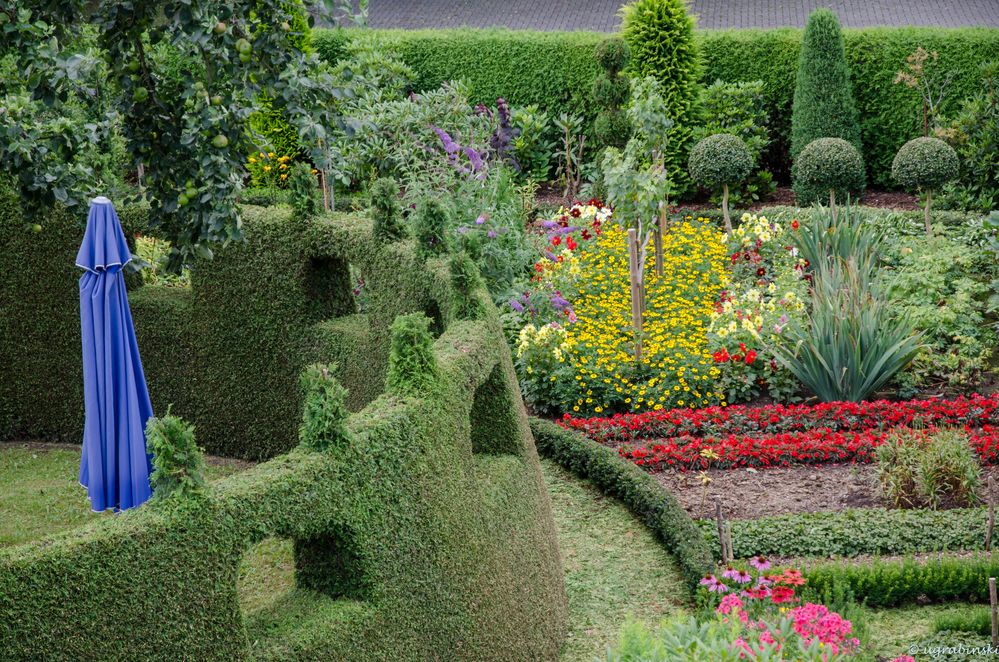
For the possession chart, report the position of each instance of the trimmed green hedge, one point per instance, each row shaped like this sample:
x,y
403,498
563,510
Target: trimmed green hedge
x,y
650,502
893,583
854,532
424,533
556,70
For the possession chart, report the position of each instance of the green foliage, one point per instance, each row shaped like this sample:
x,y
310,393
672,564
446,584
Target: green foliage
x,y
643,495
324,411
610,93
939,468
975,135
925,164
304,191
977,620
824,166
412,369
854,532
823,238
387,210
942,285
431,221
660,36
532,148
720,159
892,583
466,283
178,463
823,96
191,138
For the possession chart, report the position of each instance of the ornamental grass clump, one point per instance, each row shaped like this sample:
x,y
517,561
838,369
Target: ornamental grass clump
x,y
720,160
827,237
932,469
325,410
178,462
925,164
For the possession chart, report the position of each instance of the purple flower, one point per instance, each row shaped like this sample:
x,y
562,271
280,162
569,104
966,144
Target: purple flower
x,y
760,563
558,302
718,588
481,219
474,158
549,225
742,577
491,234
462,230
551,256
730,573
708,580
516,305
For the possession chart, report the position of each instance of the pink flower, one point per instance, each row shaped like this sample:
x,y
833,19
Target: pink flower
x,y
760,563
742,577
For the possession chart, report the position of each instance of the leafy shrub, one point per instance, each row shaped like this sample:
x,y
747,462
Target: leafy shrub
x,y
466,283
974,133
660,36
610,93
304,191
828,168
324,412
925,164
740,109
970,619
412,367
854,532
764,292
581,307
531,147
720,160
431,223
264,196
934,469
942,285
152,253
178,463
823,97
853,343
387,210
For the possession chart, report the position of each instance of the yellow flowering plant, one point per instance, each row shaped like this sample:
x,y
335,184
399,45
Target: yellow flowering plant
x,y
585,363
765,291
267,169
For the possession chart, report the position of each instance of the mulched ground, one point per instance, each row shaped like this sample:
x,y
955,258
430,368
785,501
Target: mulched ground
x,y
755,493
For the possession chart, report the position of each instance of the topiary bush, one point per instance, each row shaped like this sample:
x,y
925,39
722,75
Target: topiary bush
x,y
925,164
828,168
178,463
823,97
432,219
325,410
611,90
387,209
720,160
411,367
660,36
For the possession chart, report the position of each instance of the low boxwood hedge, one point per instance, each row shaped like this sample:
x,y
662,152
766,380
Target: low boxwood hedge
x,y
854,532
650,502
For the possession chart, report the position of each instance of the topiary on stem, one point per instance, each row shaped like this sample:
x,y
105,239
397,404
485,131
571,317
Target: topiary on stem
x,y
611,90
431,228
827,167
412,368
178,463
466,283
660,36
925,164
325,410
823,98
388,225
720,160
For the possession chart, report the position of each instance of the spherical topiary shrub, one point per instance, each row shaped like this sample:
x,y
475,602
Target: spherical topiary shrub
x,y
925,164
827,167
720,160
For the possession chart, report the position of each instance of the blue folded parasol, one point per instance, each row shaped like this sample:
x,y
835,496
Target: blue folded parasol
x,y
115,466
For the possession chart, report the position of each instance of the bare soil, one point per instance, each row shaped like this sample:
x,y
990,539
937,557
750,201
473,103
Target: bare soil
x,y
756,493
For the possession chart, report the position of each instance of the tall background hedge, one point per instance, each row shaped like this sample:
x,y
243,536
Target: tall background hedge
x,y
556,70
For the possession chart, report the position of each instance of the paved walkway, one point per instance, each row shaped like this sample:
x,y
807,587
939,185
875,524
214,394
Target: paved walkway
x,y
601,15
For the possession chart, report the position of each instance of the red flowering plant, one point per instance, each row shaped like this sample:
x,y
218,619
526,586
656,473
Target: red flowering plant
x,y
764,293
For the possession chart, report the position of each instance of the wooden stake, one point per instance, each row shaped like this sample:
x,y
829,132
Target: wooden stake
x,y
990,530
659,239
634,264
728,219
721,530
995,611
728,541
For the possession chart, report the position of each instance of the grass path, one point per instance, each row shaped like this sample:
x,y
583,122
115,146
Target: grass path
x,y
614,568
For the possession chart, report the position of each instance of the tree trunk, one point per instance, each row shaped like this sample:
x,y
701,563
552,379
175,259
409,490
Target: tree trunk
x,y
659,239
926,214
728,221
